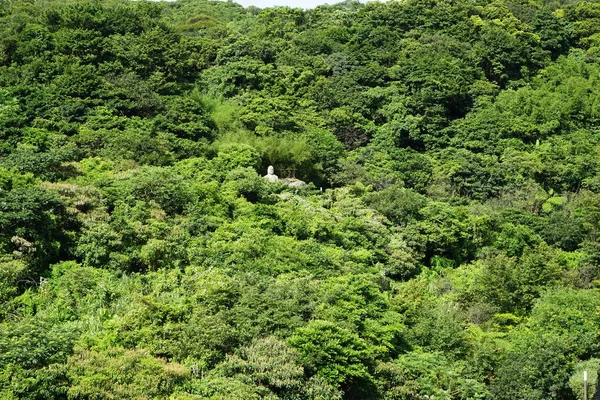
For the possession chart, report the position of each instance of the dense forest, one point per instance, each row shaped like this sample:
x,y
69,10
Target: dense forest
x,y
445,245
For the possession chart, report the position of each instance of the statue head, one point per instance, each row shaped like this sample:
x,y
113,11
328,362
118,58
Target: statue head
x,y
270,170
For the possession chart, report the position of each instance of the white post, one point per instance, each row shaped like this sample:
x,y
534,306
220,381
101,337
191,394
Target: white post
x,y
584,385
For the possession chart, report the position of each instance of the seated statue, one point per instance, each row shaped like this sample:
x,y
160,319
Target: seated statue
x,y
270,176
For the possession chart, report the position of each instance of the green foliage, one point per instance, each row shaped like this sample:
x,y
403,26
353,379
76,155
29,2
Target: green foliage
x,y
11,272
589,367
561,330
32,353
35,224
119,373
417,375
445,245
400,205
271,369
335,354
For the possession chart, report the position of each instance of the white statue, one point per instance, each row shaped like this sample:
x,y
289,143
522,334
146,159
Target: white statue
x,y
270,176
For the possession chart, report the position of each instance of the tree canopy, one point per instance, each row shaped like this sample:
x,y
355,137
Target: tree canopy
x,y
445,245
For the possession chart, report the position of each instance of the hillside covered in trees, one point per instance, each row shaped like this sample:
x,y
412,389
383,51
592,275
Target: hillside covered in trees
x,y
446,246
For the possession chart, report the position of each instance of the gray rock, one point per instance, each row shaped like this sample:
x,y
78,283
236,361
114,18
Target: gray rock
x,y
293,182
